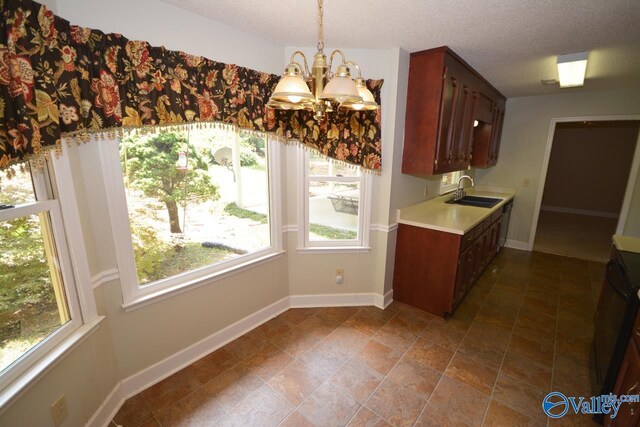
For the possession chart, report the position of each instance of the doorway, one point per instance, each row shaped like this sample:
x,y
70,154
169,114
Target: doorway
x,y
587,176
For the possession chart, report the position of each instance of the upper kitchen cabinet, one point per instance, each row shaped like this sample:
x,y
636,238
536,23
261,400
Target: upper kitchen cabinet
x,y
445,97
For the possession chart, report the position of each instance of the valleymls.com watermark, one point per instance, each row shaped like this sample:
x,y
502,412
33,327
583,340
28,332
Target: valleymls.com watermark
x,y
557,405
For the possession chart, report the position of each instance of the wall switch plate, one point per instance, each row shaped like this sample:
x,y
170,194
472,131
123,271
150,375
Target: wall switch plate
x,y
339,276
59,410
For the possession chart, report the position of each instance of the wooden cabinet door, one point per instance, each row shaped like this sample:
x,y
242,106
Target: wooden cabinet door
x,y
628,382
449,111
496,134
464,276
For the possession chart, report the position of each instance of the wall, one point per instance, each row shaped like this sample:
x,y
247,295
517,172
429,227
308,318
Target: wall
x,y
524,140
128,342
589,166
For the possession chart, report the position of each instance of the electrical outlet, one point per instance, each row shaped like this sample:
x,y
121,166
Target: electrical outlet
x,y
339,276
426,192
526,182
59,410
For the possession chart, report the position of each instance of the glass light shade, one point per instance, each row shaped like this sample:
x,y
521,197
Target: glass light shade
x,y
292,89
367,102
286,105
341,89
572,69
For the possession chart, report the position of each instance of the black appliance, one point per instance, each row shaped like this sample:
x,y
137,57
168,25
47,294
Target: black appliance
x,y
614,318
506,216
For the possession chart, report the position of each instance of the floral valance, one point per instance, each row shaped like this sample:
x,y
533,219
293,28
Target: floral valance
x,y
60,80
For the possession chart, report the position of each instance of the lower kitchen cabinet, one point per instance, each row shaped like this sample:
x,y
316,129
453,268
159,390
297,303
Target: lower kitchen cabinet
x,y
434,270
628,382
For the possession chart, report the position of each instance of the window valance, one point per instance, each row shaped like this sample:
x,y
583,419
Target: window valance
x,y
59,79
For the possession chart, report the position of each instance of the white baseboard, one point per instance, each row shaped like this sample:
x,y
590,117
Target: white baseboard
x,y
339,300
561,209
155,373
109,408
517,244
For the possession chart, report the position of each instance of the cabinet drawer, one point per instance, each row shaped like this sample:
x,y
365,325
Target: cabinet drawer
x,y
486,224
496,215
467,239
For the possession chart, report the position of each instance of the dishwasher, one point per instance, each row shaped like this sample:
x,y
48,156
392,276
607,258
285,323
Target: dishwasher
x,y
504,228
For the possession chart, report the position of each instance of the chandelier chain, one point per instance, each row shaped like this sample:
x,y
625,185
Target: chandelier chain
x,y
320,28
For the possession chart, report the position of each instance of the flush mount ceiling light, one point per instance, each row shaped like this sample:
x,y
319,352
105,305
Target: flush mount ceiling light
x,y
572,68
293,93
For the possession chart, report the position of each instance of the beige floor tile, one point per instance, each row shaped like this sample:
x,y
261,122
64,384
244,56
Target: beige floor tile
x,y
396,404
297,381
212,365
267,362
338,314
296,419
365,323
329,405
378,356
432,416
199,408
366,418
357,379
519,396
463,403
232,386
394,337
296,341
247,345
346,340
262,408
324,356
168,391
273,328
415,376
472,373
133,412
430,354
499,415
295,316
527,370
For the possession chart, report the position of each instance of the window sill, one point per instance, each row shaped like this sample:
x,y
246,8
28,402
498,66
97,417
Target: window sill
x,y
20,385
163,294
335,249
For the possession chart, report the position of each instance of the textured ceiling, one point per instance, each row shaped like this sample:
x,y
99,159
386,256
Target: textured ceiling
x,y
513,43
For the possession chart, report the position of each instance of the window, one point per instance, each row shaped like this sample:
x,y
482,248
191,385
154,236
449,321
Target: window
x,y
40,304
335,204
188,205
449,181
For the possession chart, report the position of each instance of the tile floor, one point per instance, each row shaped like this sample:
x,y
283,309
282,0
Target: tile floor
x,y
523,330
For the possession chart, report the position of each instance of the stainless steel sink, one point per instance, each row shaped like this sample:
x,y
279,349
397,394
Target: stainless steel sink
x,y
481,202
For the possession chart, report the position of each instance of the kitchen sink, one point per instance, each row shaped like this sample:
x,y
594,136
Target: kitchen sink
x,y
481,202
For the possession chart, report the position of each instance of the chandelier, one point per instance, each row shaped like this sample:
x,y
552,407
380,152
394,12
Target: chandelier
x,y
319,89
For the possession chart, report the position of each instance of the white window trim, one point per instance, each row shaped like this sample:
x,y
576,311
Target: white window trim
x,y
451,187
136,296
364,212
74,268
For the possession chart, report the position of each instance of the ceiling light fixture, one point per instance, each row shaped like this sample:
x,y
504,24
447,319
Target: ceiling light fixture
x,y
316,89
572,68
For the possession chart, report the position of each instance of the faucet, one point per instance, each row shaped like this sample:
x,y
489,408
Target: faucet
x,y
459,193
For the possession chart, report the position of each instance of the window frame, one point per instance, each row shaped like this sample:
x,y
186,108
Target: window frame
x,y
454,185
55,195
361,244
134,295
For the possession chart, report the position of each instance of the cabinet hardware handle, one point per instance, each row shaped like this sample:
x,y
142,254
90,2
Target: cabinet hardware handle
x,y
638,332
633,387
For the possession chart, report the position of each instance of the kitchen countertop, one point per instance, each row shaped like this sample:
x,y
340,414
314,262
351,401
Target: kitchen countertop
x,y
627,243
435,214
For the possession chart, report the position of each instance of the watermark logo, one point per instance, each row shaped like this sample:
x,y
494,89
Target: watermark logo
x,y
556,404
